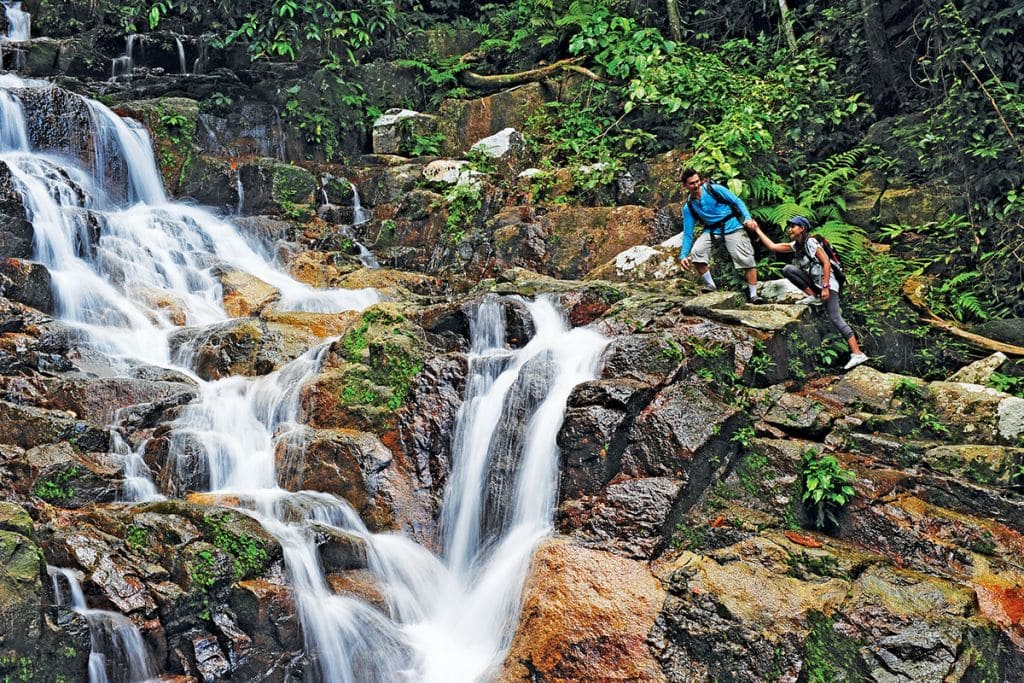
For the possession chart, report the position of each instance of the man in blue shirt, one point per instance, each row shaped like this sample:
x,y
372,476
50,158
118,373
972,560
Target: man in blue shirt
x,y
723,215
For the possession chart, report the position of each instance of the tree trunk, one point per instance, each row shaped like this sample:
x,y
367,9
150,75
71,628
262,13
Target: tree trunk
x,y
787,25
675,25
884,86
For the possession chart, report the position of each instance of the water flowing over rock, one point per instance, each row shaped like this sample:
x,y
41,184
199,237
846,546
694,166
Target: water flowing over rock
x,y
243,444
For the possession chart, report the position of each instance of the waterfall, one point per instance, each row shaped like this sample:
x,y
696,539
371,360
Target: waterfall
x,y
153,259
360,216
13,133
181,55
240,189
19,22
449,617
117,653
123,64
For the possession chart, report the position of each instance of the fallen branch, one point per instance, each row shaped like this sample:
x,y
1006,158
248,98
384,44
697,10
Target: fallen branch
x,y
914,289
472,79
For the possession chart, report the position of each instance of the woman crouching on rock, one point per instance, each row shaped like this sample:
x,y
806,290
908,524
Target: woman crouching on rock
x,y
812,268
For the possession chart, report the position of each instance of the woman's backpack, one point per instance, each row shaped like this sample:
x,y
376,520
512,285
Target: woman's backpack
x,y
832,255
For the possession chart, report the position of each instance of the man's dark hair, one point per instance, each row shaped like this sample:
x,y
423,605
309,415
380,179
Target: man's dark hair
x,y
689,173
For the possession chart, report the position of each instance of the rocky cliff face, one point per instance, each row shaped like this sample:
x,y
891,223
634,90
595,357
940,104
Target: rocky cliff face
x,y
683,551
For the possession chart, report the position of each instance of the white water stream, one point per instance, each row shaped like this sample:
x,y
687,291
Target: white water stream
x,y
117,653
449,618
19,22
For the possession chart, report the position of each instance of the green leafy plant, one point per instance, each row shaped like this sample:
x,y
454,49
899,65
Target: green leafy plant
x,y
673,351
1007,383
826,486
464,201
136,537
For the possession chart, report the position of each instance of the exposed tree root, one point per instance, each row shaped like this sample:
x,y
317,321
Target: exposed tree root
x,y
914,289
472,79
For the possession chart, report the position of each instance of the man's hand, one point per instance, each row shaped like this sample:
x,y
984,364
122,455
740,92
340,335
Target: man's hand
x,y
750,224
825,293
685,263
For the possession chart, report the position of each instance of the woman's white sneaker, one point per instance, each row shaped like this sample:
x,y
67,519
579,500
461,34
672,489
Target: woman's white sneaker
x,y
855,360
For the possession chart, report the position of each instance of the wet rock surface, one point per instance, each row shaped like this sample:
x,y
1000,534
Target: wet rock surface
x,y
688,552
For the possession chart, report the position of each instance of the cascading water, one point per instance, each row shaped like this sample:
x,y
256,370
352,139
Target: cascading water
x,y
117,653
122,65
181,55
153,257
449,618
19,22
360,216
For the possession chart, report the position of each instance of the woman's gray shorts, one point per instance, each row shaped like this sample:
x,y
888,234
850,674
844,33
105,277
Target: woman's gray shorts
x,y
736,243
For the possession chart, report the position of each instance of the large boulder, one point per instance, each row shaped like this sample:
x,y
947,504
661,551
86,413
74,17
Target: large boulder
x,y
581,238
979,414
27,282
583,612
394,130
464,122
597,421
27,426
631,517
368,373
790,609
506,149
21,570
245,294
244,346
16,233
357,467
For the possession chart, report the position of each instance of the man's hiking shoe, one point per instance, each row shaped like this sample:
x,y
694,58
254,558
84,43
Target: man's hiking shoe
x,y
855,360
811,301
707,289
756,300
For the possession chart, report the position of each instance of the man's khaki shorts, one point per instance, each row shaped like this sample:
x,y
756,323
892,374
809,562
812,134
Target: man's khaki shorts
x,y
736,243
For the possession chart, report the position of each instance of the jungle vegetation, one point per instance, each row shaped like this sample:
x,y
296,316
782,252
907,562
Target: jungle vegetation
x,y
790,102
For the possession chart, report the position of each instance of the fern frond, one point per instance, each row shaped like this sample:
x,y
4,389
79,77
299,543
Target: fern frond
x,y
851,241
767,189
781,213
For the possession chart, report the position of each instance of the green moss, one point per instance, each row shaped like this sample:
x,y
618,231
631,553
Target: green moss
x,y
21,558
388,360
292,185
58,487
17,668
692,538
830,656
804,565
136,537
248,553
984,649
753,470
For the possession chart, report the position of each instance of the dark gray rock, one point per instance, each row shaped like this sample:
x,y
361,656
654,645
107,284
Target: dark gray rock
x,y
629,517
16,232
594,433
27,283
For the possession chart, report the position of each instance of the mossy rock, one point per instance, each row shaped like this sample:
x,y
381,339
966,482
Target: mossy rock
x,y
21,568
370,371
172,122
292,185
14,518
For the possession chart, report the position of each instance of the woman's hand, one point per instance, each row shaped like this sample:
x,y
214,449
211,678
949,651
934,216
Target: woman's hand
x,y
825,294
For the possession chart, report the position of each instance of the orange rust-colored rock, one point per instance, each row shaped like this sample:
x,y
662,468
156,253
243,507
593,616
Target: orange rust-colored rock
x,y
581,238
586,616
801,539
